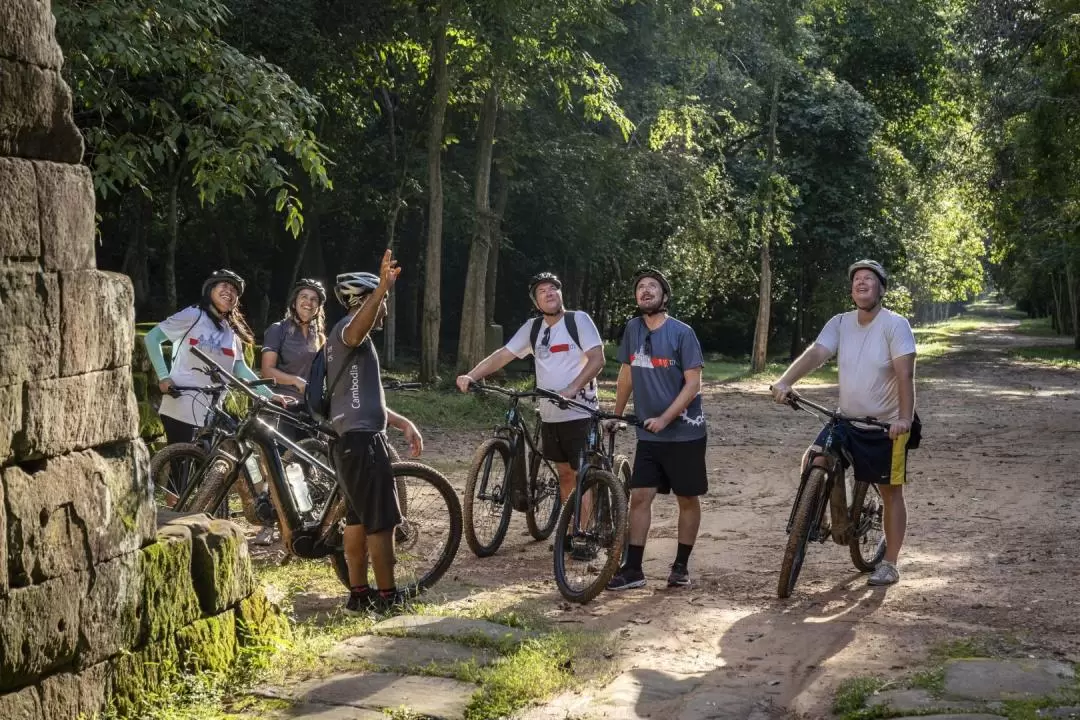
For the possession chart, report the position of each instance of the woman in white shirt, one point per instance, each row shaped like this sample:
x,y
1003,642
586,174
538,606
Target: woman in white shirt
x,y
217,327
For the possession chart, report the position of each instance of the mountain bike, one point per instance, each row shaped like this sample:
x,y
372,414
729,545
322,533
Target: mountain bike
x,y
501,477
856,516
590,535
426,541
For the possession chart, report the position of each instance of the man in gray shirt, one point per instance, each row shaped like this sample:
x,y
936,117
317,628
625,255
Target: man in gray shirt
x,y
661,364
361,457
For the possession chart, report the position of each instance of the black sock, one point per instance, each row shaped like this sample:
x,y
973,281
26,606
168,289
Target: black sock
x,y
682,555
634,555
387,593
360,588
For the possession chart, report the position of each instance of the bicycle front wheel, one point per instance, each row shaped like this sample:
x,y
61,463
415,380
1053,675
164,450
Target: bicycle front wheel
x,y
623,470
487,497
867,543
543,510
588,549
807,516
172,470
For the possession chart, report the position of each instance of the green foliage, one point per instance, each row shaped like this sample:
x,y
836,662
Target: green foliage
x,y
159,92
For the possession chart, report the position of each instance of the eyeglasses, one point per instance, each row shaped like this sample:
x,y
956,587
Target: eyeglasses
x,y
546,338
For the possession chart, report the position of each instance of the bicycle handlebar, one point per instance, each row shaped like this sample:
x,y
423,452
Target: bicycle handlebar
x,y
562,402
398,385
176,390
795,400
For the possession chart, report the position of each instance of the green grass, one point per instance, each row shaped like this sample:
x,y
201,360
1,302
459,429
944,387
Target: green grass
x,y
852,694
1036,327
1061,356
448,409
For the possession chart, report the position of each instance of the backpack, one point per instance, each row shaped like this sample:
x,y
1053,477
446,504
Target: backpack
x,y
316,393
571,327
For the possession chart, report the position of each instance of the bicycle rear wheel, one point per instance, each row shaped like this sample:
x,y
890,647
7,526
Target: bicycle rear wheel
x,y
543,510
428,537
806,519
586,561
867,543
487,497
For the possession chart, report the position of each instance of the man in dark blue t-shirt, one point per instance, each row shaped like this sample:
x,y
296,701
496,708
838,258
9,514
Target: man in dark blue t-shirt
x,y
661,363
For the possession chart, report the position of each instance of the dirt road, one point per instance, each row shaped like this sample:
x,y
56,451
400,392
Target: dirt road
x,y
992,548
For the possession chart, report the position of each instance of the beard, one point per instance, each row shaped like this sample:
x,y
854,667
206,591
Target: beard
x,y
651,306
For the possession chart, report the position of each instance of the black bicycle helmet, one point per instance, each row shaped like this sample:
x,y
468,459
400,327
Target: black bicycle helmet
x,y
307,284
223,275
544,277
873,266
656,275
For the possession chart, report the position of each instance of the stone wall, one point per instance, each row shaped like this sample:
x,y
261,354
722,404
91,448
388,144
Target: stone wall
x,y
96,605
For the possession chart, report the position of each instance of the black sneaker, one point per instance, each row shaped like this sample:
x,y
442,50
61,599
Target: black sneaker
x,y
627,579
680,575
389,604
359,601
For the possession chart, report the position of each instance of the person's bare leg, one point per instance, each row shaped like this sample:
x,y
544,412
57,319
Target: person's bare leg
x,y
356,554
381,548
895,520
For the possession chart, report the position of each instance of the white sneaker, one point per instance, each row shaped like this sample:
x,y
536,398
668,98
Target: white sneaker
x,y
884,574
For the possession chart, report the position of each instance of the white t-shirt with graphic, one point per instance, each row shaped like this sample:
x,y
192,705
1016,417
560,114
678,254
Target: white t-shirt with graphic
x,y
559,361
191,327
864,358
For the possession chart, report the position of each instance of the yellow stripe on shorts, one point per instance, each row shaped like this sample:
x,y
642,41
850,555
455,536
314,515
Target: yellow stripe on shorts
x,y
899,460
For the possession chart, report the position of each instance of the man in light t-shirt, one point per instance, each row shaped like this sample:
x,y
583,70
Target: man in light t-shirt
x,y
875,351
564,364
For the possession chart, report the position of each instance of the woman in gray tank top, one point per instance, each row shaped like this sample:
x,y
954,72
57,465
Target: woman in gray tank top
x,y
289,346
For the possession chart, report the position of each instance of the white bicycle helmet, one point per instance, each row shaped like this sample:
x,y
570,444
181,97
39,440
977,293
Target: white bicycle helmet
x,y
351,287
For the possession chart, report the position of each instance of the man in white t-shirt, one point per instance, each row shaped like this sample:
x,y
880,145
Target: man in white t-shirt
x,y
568,359
875,351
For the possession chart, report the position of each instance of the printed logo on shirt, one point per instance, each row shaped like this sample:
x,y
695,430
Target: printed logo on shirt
x,y
642,359
214,342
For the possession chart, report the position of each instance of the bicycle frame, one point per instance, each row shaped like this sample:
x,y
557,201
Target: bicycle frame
x,y
515,431
256,436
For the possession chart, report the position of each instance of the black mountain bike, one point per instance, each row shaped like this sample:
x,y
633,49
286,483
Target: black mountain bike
x,y
425,542
591,532
856,517
497,480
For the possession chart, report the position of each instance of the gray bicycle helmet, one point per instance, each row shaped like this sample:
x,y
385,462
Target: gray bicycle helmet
x,y
351,287
307,284
873,266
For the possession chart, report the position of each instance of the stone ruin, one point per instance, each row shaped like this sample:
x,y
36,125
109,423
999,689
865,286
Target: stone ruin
x,y
97,605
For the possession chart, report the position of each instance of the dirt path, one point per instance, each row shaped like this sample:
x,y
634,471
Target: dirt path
x,y
991,549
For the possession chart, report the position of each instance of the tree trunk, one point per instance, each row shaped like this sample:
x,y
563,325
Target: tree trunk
x,y
429,341
761,329
496,238
390,328
471,343
1074,306
1057,312
169,264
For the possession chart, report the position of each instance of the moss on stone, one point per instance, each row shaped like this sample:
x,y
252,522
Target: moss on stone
x,y
139,383
150,426
139,677
169,599
221,565
259,623
208,645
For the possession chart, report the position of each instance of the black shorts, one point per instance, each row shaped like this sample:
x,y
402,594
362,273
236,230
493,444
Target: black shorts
x,y
671,467
366,477
563,441
876,458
